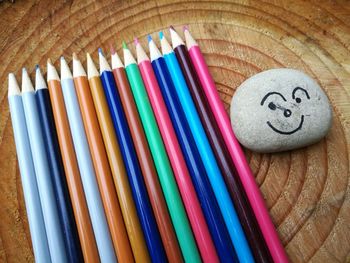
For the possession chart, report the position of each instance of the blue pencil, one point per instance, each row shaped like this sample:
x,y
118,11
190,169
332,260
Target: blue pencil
x,y
26,166
222,196
88,177
132,165
41,166
58,177
200,180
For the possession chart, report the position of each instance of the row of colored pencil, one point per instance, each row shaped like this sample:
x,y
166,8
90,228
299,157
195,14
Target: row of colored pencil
x,y
137,162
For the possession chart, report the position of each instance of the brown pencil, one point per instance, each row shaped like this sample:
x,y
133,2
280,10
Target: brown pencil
x,y
117,165
86,235
145,158
100,162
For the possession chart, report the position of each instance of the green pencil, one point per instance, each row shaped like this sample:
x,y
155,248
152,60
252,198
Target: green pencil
x,y
165,173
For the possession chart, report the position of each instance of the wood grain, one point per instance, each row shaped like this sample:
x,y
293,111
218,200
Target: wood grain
x,y
306,190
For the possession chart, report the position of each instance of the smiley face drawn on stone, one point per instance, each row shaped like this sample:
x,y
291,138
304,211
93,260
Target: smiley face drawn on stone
x,y
279,109
273,102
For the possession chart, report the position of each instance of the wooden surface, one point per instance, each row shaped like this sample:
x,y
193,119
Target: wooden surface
x,y
307,190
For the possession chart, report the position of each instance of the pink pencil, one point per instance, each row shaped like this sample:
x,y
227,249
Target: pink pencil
x,y
188,194
252,190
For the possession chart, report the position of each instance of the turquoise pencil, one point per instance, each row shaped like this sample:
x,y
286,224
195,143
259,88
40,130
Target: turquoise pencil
x,y
41,166
88,176
221,193
26,166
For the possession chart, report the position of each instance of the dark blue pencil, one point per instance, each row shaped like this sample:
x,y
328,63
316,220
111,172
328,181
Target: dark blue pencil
x,y
201,183
138,187
65,210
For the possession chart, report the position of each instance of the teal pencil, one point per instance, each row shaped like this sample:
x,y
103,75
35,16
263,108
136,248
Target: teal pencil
x,y
165,173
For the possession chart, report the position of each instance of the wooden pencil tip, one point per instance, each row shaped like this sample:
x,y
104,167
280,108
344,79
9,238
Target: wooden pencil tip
x,y
13,88
49,61
149,38
185,28
136,41
37,67
171,27
100,51
26,82
161,35
124,45
112,49
75,57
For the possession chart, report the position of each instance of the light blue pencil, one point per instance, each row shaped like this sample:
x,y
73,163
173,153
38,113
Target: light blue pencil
x,y
88,177
42,171
26,166
221,193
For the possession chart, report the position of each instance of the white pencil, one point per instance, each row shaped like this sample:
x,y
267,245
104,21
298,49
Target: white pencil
x,y
41,166
88,178
26,166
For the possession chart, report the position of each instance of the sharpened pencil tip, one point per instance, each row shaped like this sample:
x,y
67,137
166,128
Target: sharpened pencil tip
x,y
49,61
112,49
13,88
24,70
75,56
185,28
136,41
37,67
161,35
149,38
171,27
124,45
100,51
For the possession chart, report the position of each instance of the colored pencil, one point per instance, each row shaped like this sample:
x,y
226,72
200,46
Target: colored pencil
x,y
227,167
65,211
144,210
222,196
247,178
154,190
166,177
81,214
100,161
205,193
28,179
116,162
41,166
182,175
92,195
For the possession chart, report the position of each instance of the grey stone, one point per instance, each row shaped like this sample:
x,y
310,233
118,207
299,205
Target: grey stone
x,y
278,110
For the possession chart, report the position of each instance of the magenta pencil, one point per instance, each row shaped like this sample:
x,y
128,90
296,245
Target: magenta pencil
x,y
252,190
193,208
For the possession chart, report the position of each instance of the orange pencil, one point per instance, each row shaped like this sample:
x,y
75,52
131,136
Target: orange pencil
x,y
86,235
121,182
100,162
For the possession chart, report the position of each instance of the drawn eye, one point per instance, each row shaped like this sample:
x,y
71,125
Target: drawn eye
x,y
272,106
301,93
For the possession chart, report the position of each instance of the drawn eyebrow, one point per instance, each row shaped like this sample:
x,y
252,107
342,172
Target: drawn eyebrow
x,y
271,93
298,88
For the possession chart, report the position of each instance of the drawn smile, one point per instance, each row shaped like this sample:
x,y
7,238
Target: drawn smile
x,y
289,132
